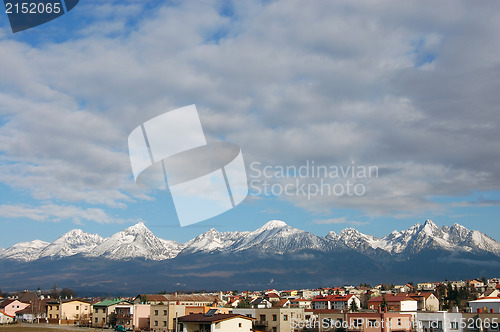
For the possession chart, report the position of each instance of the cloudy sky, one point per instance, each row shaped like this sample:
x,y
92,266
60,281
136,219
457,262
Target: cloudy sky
x,y
408,87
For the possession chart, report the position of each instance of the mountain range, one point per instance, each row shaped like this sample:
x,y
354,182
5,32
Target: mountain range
x,y
274,255
275,237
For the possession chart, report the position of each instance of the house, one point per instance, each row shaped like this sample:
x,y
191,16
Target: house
x,y
399,302
426,286
426,301
439,321
6,318
53,308
402,288
140,317
277,319
290,293
480,322
184,299
306,294
162,316
338,302
124,313
104,313
68,312
11,306
301,303
379,321
272,297
485,305
261,303
216,322
285,303
75,312
476,283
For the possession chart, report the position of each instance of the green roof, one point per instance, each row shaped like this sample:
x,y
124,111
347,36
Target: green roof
x,y
107,303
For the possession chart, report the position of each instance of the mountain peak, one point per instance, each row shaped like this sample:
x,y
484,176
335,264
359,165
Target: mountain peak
x,y
273,224
137,228
429,222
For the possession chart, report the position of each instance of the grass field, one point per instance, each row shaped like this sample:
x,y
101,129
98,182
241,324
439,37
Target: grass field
x,y
43,328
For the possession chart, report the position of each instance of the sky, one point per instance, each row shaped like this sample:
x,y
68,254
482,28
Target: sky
x,y
406,89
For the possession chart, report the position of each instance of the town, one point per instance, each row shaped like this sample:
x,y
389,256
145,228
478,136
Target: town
x,y
445,306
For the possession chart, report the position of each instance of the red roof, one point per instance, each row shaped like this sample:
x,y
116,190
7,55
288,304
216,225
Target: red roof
x,y
1,312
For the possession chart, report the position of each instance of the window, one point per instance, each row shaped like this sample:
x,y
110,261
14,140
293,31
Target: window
x,y
285,317
239,324
103,311
164,312
358,322
454,325
275,318
76,316
77,307
96,320
50,315
275,329
371,322
164,323
50,307
86,307
262,317
399,321
156,323
96,310
156,312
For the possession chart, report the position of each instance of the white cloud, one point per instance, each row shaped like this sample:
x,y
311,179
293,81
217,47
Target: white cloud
x,y
58,213
288,81
342,220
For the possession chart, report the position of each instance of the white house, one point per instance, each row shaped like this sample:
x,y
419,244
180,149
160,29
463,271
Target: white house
x,y
486,305
339,302
5,318
217,322
441,321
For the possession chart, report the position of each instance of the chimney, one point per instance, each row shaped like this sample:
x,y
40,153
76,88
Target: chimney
x,y
492,311
385,309
379,309
479,310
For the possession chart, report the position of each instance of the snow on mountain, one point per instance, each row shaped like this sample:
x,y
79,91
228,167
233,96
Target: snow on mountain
x,y
136,242
24,251
74,242
212,240
275,237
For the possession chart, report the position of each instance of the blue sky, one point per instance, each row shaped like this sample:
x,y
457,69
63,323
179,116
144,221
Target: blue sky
x,y
407,88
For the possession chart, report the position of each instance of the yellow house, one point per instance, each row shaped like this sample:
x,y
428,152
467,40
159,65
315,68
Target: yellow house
x,y
75,311
69,312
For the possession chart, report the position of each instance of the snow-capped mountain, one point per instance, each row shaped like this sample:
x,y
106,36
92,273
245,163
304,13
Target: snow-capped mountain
x,y
24,251
136,242
213,240
74,242
275,237
279,238
417,238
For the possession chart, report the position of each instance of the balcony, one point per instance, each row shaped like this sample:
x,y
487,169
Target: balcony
x,y
261,323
